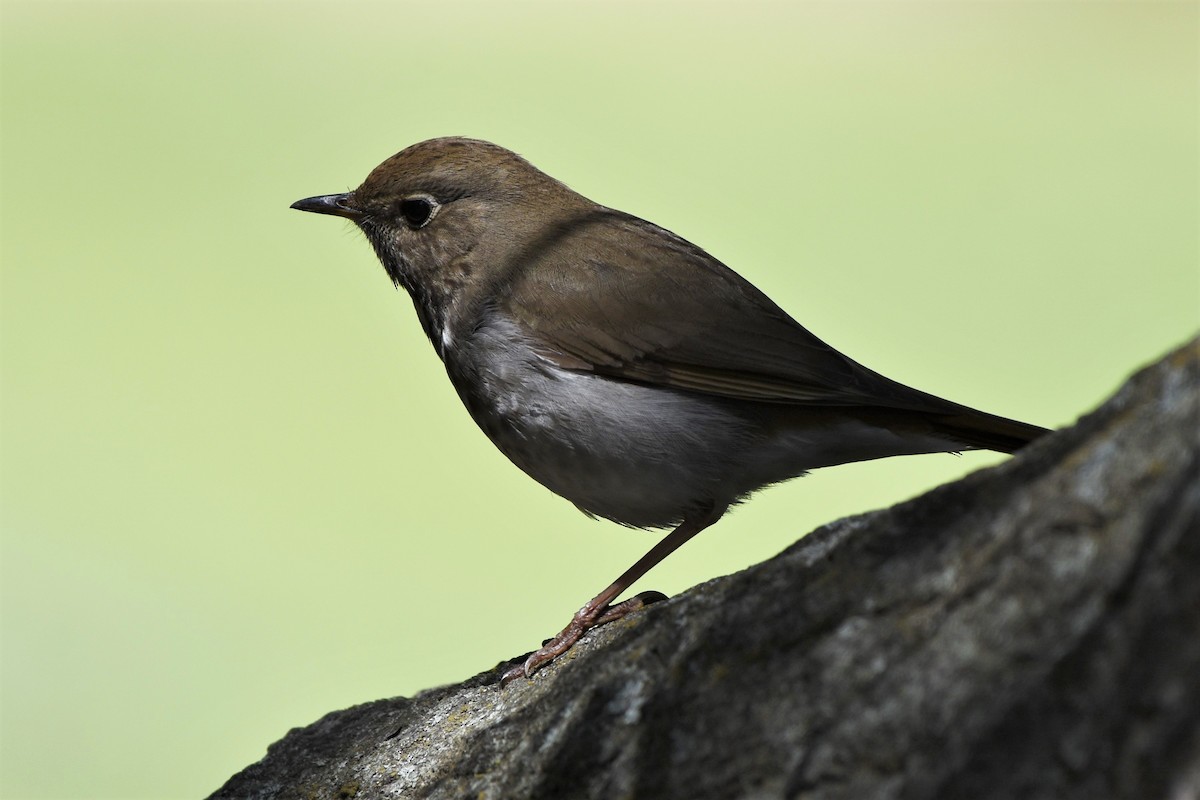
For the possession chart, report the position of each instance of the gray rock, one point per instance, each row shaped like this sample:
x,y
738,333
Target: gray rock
x,y
1030,631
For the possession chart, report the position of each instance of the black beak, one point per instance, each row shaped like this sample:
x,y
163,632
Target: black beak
x,y
339,205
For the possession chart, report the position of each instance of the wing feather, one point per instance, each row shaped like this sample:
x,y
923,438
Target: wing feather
x,y
622,297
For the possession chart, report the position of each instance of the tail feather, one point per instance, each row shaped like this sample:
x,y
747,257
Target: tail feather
x,y
988,431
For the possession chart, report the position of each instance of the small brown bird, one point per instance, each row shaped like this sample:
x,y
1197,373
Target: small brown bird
x,y
621,366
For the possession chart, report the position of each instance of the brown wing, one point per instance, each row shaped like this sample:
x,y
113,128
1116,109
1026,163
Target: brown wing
x,y
616,295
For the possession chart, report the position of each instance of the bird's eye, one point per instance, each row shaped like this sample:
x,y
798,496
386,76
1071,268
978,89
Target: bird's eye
x,y
417,211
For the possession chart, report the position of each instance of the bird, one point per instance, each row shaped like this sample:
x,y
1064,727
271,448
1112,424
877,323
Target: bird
x,y
618,364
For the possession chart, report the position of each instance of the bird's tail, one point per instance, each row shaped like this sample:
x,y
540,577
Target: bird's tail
x,y
988,431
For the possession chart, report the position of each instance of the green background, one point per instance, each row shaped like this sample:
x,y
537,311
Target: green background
x,y
237,489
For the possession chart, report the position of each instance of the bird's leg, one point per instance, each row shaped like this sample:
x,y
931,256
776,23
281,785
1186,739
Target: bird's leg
x,y
598,610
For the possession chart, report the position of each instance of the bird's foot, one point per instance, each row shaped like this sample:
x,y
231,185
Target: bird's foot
x,y
586,618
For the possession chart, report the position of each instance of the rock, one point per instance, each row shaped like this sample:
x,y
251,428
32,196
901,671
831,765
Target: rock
x,y
1030,631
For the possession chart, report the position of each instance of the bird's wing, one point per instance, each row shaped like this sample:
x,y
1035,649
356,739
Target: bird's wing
x,y
618,296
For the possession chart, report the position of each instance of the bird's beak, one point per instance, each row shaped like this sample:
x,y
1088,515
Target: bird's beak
x,y
340,205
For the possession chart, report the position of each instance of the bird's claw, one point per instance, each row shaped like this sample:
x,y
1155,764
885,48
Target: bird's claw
x,y
584,620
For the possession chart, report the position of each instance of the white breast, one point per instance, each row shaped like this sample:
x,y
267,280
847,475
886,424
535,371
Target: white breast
x,y
639,455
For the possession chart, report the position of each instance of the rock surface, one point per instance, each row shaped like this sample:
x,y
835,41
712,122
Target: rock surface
x,y
1031,631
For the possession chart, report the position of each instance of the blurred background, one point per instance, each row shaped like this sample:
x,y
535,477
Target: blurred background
x,y
237,490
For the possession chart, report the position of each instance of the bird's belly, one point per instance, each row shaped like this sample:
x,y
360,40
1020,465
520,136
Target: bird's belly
x,y
638,455
634,454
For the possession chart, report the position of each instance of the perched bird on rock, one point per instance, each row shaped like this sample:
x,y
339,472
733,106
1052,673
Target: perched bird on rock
x,y
619,365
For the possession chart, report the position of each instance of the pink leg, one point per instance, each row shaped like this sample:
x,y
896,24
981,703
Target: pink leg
x,y
598,611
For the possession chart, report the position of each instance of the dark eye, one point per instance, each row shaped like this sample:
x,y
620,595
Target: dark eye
x,y
417,211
